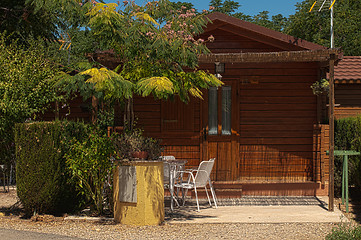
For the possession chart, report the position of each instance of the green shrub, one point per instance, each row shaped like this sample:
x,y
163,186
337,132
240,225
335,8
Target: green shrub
x,y
90,163
41,173
345,232
348,137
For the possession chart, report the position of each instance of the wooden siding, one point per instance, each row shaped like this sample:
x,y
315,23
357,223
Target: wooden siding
x,y
277,113
228,42
347,100
176,124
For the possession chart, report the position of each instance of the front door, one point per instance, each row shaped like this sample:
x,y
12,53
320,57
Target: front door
x,y
220,135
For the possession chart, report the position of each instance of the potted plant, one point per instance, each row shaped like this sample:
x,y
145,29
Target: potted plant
x,y
133,145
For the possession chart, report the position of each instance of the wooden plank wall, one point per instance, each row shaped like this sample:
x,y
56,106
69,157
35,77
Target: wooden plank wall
x,y
321,159
348,96
178,140
277,113
227,42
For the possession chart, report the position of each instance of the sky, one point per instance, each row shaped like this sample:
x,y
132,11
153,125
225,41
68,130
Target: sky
x,y
249,7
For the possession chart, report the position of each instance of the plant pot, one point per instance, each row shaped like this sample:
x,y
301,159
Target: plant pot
x,y
140,154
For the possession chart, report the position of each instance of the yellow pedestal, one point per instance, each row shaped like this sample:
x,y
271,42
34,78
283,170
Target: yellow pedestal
x,y
149,206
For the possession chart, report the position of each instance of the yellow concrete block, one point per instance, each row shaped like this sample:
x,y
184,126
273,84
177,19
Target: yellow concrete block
x,y
149,209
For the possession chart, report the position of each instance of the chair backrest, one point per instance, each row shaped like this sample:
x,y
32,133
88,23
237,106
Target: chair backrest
x,y
203,172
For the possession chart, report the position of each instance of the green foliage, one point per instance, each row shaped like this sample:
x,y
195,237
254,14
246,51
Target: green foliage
x,y
154,43
226,6
321,87
38,18
26,88
348,137
41,173
90,164
134,141
315,26
345,232
108,82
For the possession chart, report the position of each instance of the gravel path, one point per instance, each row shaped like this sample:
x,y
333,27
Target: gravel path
x,y
107,230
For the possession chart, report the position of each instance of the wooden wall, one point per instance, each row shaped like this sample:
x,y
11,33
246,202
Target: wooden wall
x,y
348,100
228,42
176,124
277,113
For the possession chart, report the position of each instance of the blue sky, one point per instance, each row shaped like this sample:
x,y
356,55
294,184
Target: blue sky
x,y
249,7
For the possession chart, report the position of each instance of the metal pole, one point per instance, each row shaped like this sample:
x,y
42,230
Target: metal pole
x,y
332,140
346,181
332,38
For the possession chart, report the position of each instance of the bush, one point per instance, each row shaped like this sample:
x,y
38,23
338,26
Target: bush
x,y
348,137
90,163
41,173
345,232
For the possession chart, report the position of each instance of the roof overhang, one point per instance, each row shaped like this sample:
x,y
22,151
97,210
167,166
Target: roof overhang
x,y
321,56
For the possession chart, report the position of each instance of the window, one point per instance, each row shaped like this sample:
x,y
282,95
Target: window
x,y
212,111
226,107
226,110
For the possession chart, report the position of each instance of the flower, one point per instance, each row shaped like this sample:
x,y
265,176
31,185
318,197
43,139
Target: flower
x,y
211,38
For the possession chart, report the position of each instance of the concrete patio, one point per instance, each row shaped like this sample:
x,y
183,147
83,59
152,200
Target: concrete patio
x,y
252,209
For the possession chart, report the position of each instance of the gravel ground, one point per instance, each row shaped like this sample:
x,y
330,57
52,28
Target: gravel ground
x,y
109,230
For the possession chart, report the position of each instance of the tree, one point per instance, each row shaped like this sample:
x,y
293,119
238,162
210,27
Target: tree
x,y
22,19
227,6
154,43
315,26
179,5
26,89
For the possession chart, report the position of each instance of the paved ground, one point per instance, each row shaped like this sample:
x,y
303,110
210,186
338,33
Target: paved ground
x,y
260,210
11,234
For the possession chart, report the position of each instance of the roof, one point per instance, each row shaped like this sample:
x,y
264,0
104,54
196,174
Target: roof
x,y
259,33
348,70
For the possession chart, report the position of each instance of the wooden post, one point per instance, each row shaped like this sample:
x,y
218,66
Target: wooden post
x,y
332,134
56,110
94,109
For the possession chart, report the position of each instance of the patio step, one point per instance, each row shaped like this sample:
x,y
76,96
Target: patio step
x,y
239,189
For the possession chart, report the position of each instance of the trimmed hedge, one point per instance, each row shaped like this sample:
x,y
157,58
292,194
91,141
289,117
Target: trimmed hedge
x,y
41,173
348,137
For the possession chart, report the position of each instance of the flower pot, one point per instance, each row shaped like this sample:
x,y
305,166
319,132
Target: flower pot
x,y
140,155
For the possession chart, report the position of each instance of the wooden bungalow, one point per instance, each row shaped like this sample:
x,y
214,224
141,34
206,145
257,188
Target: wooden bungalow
x,y
263,125
348,87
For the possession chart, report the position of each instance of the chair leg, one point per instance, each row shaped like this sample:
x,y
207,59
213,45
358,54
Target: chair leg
x,y
213,193
184,195
195,191
209,200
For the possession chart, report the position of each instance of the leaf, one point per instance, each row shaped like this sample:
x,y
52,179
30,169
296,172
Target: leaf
x,y
156,85
194,91
146,17
108,82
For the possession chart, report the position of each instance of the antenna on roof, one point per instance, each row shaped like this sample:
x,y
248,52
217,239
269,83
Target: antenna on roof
x,y
66,42
321,5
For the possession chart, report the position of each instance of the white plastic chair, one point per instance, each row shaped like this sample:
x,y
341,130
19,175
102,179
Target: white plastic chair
x,y
198,178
